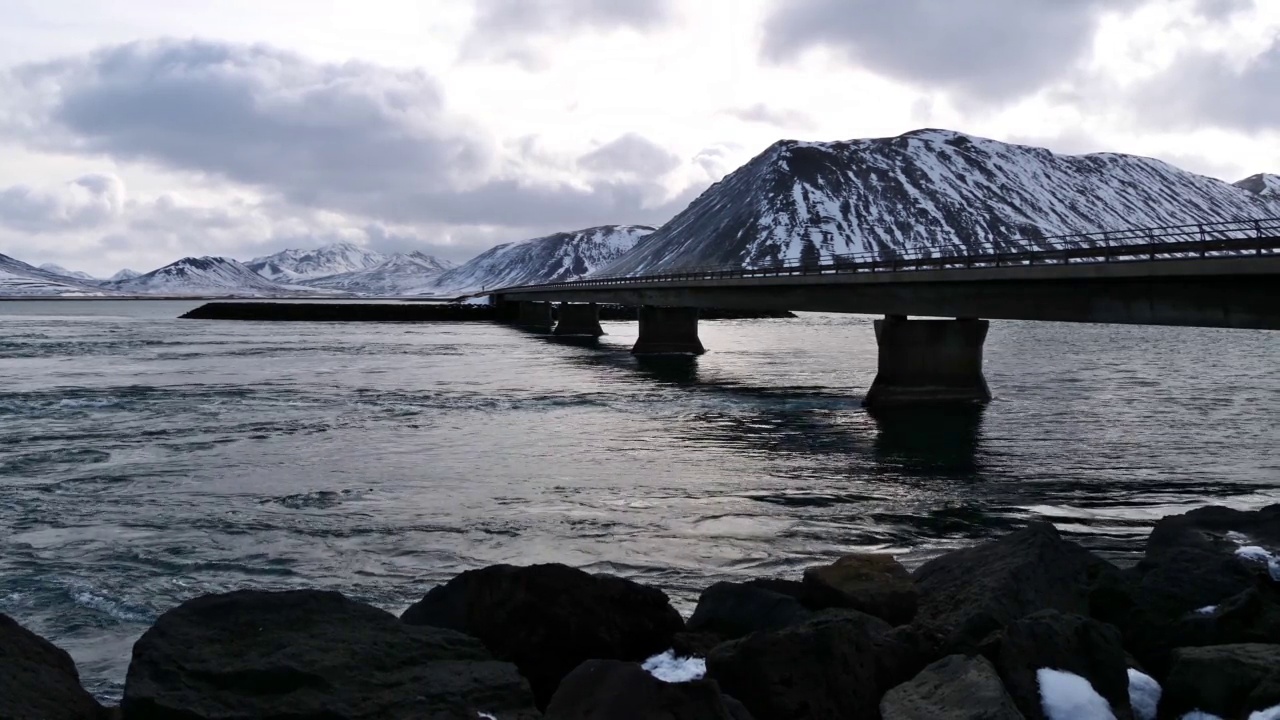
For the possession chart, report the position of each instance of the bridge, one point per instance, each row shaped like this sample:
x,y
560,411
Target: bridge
x,y
1222,274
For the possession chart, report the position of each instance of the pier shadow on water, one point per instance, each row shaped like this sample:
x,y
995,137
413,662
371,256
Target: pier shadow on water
x,y
929,439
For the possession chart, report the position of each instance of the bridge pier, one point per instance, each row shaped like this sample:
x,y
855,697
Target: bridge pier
x,y
534,315
579,319
668,331
929,361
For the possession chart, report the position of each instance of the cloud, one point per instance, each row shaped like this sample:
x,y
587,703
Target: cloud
x,y
631,154
1203,89
511,30
994,50
87,201
355,139
1221,10
779,118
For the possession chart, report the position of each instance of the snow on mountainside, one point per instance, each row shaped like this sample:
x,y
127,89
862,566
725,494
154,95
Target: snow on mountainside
x,y
807,201
125,274
1263,185
554,258
399,274
19,278
292,266
59,270
203,276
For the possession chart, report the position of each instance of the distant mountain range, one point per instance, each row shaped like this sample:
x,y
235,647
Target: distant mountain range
x,y
938,189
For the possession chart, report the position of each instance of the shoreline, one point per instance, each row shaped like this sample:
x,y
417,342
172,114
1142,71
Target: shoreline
x,y
1008,622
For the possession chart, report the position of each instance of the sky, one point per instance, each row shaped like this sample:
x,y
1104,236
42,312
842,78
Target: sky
x,y
137,132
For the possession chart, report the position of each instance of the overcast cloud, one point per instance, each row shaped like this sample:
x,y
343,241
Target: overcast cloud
x,y
987,50
408,126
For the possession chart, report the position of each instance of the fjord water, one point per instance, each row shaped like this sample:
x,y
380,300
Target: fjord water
x,y
145,460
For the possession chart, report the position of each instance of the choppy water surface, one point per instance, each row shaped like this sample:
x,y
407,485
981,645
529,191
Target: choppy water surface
x,y
145,460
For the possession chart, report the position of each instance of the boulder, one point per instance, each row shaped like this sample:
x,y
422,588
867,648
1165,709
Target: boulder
x,y
732,610
874,584
954,688
1191,563
1253,616
694,644
835,666
549,619
1218,679
616,690
1266,695
38,680
312,655
978,590
1069,643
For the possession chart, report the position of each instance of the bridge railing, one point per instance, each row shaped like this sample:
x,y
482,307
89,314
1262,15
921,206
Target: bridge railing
x,y
1221,239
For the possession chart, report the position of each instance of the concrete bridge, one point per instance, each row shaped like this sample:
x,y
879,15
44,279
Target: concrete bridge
x,y
1224,274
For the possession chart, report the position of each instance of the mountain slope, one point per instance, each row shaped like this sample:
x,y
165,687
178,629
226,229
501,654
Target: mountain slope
x,y
19,278
1262,185
125,274
802,201
74,274
202,276
398,275
292,266
553,258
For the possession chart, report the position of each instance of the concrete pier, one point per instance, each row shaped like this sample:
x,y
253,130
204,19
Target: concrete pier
x,y
579,319
534,315
929,361
668,330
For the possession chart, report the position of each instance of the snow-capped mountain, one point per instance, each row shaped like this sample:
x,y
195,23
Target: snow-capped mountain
x,y
807,201
203,276
292,266
399,274
1263,185
554,258
125,274
59,270
19,278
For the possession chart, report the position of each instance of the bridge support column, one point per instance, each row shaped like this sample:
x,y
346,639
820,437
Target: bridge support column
x,y
534,315
579,319
929,361
668,331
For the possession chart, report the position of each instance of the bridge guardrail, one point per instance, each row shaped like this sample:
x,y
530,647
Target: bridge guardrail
x,y
1222,239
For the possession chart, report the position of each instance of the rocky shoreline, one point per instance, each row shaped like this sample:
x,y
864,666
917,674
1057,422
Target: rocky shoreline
x,y
1027,626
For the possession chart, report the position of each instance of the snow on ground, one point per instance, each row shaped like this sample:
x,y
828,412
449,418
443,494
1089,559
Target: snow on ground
x,y
669,668
1067,696
1200,715
1272,713
1207,610
1253,553
1144,695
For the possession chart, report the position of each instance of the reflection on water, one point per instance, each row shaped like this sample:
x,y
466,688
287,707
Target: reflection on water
x,y
145,460
934,439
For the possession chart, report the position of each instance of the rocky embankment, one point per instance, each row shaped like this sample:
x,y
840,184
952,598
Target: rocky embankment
x,y
1028,626
415,312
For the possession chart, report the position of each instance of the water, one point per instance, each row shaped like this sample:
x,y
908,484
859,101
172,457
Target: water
x,y
145,460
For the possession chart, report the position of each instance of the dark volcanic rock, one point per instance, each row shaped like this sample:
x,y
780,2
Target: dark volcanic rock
x,y
1071,643
694,644
732,610
38,680
1191,563
1253,616
548,619
836,666
311,655
954,688
874,584
1218,679
976,591
615,690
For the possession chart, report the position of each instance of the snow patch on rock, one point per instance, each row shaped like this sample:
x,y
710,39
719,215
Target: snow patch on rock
x,y
1067,696
1271,713
1144,695
669,668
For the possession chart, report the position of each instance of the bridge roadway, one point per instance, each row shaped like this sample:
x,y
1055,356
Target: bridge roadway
x,y
1223,275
